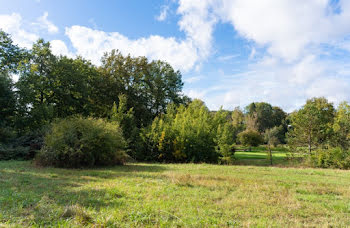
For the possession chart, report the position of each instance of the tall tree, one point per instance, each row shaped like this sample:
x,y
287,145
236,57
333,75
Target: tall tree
x,y
312,124
341,126
35,85
72,85
266,115
126,120
271,138
10,54
238,120
149,86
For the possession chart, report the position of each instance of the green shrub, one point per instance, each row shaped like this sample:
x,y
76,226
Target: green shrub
x,y
14,153
82,142
189,134
330,158
250,138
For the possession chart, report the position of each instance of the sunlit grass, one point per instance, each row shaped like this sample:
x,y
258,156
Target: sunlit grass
x,y
165,195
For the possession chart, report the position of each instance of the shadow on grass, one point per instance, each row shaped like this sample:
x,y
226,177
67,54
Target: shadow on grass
x,y
29,190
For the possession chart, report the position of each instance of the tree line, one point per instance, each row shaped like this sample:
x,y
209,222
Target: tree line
x,y
145,99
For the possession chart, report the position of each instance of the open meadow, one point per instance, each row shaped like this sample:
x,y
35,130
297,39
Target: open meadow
x,y
173,195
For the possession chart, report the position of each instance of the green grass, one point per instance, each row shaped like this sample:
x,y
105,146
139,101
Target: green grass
x,y
173,195
259,157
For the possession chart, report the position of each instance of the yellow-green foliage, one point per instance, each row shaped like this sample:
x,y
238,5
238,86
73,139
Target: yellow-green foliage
x,y
189,134
80,142
331,158
250,138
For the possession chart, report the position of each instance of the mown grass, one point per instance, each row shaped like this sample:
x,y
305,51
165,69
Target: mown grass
x,y
173,195
258,156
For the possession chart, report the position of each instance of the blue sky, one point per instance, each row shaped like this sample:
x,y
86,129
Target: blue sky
x,y
230,52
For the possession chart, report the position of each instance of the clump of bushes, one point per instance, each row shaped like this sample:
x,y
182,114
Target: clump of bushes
x,y
82,142
330,158
250,138
22,147
189,134
13,153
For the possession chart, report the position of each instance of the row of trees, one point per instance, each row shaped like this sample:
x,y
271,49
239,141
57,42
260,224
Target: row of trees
x,y
145,99
51,87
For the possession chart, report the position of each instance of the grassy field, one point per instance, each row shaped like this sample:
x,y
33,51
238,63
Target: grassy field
x,y
166,195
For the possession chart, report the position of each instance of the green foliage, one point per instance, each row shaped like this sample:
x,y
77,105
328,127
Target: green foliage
x,y
341,126
238,122
82,142
125,118
10,54
149,86
17,153
271,137
189,134
72,87
266,115
312,124
250,138
225,137
331,158
35,86
7,100
274,136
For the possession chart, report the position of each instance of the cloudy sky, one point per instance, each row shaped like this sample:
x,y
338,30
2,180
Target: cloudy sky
x,y
230,52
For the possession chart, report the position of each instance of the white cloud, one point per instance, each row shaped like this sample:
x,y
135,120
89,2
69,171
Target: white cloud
x,y
192,79
288,58
163,13
58,47
227,57
184,54
45,24
13,24
92,44
198,23
293,34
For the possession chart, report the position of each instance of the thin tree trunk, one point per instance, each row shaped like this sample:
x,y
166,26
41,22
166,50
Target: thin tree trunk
x,y
270,154
309,142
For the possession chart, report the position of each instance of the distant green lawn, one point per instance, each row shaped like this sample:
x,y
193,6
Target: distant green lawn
x,y
259,156
173,195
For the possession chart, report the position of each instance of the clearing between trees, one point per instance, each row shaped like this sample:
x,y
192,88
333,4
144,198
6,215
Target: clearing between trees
x,y
165,195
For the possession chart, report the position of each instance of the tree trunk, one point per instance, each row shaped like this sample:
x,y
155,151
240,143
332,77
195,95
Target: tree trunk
x,y
310,143
270,154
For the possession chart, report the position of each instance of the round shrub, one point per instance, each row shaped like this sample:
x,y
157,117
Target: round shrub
x,y
82,142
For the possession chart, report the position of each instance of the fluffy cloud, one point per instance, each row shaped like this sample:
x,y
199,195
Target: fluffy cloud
x,y
293,33
187,54
92,44
23,33
45,24
163,13
58,47
13,24
293,45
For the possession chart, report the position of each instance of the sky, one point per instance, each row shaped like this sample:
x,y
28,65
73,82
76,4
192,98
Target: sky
x,y
230,52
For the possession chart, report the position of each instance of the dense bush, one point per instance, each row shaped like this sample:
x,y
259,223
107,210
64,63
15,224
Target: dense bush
x,y
14,153
82,142
188,134
330,158
20,147
250,138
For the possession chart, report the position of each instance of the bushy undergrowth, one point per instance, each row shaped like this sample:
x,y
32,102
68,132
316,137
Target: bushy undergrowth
x,y
189,134
330,158
23,147
82,142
